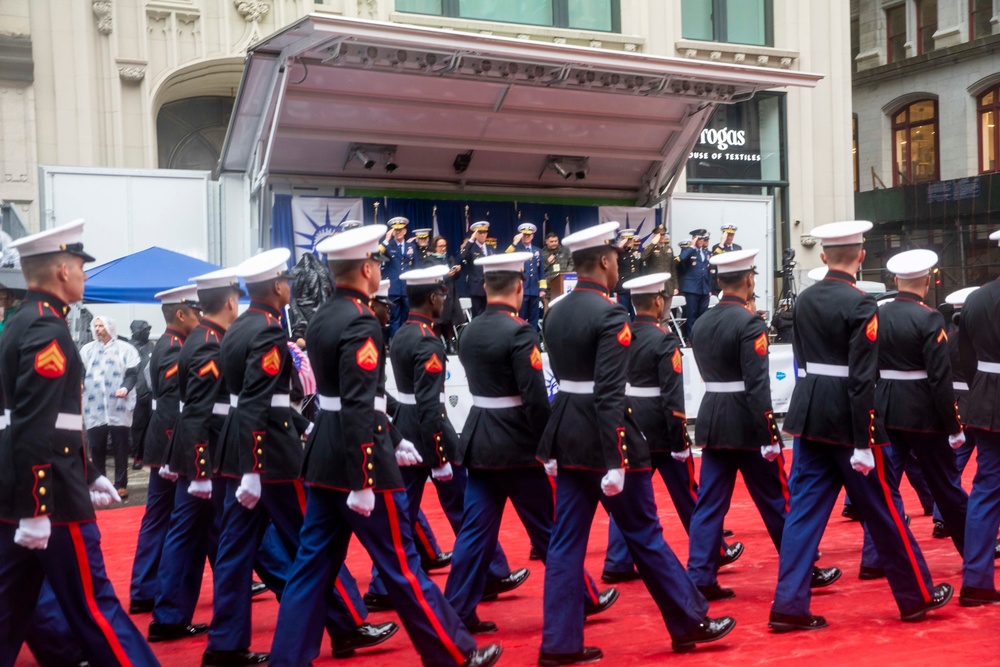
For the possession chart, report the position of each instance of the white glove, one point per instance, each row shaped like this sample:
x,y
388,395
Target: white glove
x,y
957,440
201,488
167,475
248,492
362,502
551,468
442,474
863,461
613,482
407,454
770,452
102,492
33,533
681,456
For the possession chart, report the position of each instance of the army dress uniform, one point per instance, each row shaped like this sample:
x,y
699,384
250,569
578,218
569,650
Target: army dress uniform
x,y
473,274
659,258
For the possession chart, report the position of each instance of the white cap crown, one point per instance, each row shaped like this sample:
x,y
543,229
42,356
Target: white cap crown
x,y
358,243
429,276
958,298
216,279
735,261
912,264
182,294
847,232
592,237
268,265
651,284
508,261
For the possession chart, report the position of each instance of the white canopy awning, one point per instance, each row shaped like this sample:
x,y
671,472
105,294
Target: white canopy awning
x,y
327,96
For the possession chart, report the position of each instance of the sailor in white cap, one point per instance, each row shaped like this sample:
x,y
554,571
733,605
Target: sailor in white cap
x,y
355,482
181,312
534,274
841,439
598,448
401,256
472,249
50,490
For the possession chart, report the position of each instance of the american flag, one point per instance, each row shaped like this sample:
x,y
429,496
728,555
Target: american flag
x,y
304,368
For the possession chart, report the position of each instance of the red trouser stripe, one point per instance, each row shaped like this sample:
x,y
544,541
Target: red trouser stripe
x,y
300,493
898,520
783,476
418,530
80,547
339,586
397,541
692,484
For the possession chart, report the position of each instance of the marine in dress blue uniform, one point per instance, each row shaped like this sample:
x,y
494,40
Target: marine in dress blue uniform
x,y
841,440
472,249
696,278
48,529
181,312
401,256
602,457
534,274
354,479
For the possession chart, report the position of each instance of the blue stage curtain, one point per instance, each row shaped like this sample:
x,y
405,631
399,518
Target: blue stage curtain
x,y
281,225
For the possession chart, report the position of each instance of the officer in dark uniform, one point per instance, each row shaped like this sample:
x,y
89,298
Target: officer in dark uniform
x,y
181,313
841,440
695,278
736,428
401,257
629,266
49,488
260,454
534,281
658,257
979,345
510,407
725,245
354,478
422,243
472,249
593,439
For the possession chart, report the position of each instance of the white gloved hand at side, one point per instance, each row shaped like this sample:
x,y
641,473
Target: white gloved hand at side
x,y
957,440
103,493
682,455
442,474
551,468
614,482
770,452
166,474
407,454
33,533
201,488
863,461
362,502
248,492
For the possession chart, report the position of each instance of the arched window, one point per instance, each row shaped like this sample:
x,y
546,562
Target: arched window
x,y
988,107
915,145
190,132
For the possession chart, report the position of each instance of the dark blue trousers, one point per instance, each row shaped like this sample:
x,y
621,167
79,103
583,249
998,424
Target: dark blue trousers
x,y
983,518
532,493
962,456
634,509
530,309
819,471
399,310
152,534
424,538
74,566
49,637
768,487
435,629
695,306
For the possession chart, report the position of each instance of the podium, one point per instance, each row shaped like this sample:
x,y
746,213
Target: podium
x,y
561,283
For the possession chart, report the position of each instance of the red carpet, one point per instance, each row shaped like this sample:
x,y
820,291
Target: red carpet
x,y
864,624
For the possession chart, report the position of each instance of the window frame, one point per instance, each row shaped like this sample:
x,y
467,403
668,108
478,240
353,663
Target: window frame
x,y
560,16
889,34
920,26
909,127
982,108
972,18
854,146
720,30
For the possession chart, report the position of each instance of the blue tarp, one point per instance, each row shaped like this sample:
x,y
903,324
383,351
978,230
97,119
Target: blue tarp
x,y
137,277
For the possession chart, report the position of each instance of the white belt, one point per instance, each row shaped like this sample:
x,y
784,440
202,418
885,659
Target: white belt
x,y
576,386
411,399
829,370
725,387
5,419
902,375
330,403
800,373
381,404
277,400
221,409
496,402
989,367
961,386
154,403
642,392
69,422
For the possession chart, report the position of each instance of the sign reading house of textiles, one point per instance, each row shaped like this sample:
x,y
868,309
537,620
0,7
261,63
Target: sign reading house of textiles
x,y
316,218
741,142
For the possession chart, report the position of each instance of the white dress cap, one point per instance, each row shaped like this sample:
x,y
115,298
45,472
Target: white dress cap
x,y
508,261
480,225
626,234
217,279
383,290
995,236
182,294
65,238
399,222
269,265
429,276
592,237
735,261
848,232
358,243
350,224
912,264
958,298
527,228
817,274
421,233
651,284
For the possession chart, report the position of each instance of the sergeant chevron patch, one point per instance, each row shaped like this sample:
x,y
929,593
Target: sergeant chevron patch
x,y
50,362
871,329
271,362
625,335
367,356
434,364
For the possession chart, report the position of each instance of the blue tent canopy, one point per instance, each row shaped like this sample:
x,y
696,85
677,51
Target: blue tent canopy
x,y
137,277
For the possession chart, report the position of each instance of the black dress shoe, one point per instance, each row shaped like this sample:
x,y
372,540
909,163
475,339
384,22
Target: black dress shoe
x,y
442,560
258,588
977,597
141,606
940,596
376,602
534,554
906,520
588,654
233,658
727,533
707,631
364,635
716,592
610,577
789,622
940,530
605,599
732,554
868,573
137,464
165,632
850,513
505,585
484,657
824,576
481,627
